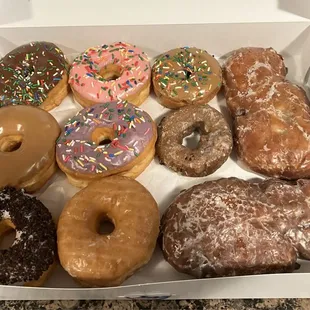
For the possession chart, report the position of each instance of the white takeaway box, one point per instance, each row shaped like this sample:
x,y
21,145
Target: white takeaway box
x,y
155,28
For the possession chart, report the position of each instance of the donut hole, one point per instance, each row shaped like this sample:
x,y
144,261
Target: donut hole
x,y
28,71
105,226
7,234
103,136
191,141
10,143
188,74
111,72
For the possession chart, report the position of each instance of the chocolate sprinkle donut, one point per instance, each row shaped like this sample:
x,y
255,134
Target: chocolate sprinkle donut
x,y
214,147
30,72
34,247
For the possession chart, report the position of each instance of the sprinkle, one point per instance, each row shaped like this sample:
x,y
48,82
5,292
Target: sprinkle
x,y
103,166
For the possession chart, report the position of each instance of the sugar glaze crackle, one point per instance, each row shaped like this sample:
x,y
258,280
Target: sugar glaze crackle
x,y
271,115
233,227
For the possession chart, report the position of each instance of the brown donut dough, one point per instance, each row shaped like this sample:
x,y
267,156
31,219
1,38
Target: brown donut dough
x,y
185,76
232,227
248,69
273,138
214,147
95,259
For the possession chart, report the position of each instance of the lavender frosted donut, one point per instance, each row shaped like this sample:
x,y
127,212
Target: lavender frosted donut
x,y
106,139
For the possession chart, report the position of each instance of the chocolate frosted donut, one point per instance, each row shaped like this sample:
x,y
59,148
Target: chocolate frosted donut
x,y
34,74
214,146
32,254
232,227
184,76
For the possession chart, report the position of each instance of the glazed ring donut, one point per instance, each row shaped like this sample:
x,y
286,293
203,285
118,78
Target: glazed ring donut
x,y
106,139
34,74
27,147
31,257
186,76
214,147
95,259
119,71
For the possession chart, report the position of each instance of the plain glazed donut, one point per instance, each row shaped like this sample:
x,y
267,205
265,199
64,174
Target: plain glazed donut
x,y
27,147
119,71
185,76
107,260
106,139
31,257
214,146
34,74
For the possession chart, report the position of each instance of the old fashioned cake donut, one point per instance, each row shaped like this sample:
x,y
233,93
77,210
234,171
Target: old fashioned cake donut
x,y
34,74
185,76
108,259
213,149
118,71
106,139
232,227
30,258
27,147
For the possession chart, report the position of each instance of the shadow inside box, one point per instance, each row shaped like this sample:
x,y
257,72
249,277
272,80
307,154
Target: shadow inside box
x,y
298,7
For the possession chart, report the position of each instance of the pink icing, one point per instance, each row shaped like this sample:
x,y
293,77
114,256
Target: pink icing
x,y
86,80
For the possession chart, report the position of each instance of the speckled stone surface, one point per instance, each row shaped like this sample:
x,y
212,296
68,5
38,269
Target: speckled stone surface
x,y
251,304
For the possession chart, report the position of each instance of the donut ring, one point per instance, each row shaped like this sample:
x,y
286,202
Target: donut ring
x,y
34,74
31,257
107,260
27,147
130,134
214,147
186,76
119,71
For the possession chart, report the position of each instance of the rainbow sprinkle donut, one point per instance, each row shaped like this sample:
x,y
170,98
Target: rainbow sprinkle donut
x,y
105,139
119,71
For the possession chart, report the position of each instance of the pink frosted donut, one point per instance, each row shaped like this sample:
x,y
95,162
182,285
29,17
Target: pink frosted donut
x,y
119,71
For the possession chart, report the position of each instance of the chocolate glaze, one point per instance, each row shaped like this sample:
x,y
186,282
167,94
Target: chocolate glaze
x,y
34,248
30,72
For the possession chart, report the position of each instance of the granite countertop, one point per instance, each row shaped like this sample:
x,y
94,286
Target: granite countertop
x,y
262,304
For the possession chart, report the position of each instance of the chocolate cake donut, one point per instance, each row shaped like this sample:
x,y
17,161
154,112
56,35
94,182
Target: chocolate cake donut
x,y
232,227
214,147
31,256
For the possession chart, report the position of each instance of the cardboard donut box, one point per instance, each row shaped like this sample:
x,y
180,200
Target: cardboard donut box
x,y
158,279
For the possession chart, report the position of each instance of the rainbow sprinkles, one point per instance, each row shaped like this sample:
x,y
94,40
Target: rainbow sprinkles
x,y
132,131
86,72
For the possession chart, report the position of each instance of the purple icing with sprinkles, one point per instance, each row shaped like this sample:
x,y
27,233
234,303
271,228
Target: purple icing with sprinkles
x,y
133,131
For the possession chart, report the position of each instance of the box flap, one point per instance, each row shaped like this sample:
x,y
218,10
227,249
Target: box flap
x,y
297,7
39,13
